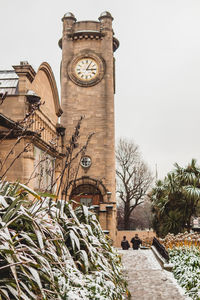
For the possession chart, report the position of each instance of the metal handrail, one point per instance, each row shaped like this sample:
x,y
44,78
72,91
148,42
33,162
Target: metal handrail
x,y
160,248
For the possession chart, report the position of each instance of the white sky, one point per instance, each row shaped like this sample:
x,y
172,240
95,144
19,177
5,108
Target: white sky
x,y
157,65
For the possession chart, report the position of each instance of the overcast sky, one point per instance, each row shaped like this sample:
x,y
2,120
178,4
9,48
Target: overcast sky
x,y
157,102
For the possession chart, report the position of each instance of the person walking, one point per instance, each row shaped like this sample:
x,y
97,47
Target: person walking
x,y
125,244
136,242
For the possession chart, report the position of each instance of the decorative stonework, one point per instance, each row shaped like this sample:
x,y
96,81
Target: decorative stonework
x,y
48,134
89,35
85,35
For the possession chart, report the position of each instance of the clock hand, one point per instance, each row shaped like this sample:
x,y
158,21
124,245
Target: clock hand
x,y
88,66
91,69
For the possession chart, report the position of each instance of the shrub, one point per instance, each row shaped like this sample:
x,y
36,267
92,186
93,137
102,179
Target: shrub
x,y
186,269
50,251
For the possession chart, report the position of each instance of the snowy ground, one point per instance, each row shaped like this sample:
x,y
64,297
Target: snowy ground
x,y
146,279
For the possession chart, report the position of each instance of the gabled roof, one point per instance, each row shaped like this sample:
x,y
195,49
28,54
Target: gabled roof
x,y
8,82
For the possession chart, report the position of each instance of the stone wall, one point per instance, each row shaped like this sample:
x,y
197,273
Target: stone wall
x,y
14,108
143,235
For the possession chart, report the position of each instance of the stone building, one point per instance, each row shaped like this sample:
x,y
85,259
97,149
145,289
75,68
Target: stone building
x,y
87,89
40,141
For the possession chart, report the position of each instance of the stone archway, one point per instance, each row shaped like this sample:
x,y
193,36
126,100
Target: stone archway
x,y
89,191
93,193
87,194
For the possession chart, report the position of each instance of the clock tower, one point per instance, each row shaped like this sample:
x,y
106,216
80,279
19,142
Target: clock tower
x,y
87,89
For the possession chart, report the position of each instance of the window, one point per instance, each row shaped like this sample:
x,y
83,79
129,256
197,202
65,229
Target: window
x,y
86,201
44,170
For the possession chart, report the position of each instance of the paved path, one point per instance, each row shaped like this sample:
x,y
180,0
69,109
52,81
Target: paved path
x,y
146,279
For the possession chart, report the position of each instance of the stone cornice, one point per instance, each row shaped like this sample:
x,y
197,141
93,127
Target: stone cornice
x,y
25,70
85,34
88,34
34,138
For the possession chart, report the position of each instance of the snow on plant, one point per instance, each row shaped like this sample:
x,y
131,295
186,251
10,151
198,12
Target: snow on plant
x,y
186,269
48,250
181,239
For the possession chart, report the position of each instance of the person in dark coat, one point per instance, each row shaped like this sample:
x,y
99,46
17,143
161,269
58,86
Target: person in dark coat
x,y
125,244
136,242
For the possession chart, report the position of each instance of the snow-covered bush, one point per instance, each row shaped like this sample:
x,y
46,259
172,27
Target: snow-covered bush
x,y
50,251
186,269
181,239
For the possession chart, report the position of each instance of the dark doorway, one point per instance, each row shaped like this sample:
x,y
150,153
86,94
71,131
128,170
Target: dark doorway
x,y
87,194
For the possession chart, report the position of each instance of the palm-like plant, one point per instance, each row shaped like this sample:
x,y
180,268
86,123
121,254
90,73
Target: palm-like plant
x,y
175,199
189,179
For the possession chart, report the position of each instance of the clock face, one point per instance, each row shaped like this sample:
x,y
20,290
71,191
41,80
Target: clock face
x,y
86,69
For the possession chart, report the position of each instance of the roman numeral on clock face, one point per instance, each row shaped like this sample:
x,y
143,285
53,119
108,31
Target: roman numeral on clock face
x,y
86,69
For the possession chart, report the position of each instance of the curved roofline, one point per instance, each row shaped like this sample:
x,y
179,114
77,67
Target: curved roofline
x,y
45,67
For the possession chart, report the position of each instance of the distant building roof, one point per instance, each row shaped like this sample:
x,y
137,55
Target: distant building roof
x,y
8,82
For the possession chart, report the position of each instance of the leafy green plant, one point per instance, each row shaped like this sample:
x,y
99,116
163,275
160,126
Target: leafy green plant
x,y
48,250
175,200
186,269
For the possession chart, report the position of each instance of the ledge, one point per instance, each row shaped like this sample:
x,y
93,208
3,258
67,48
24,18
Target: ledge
x,y
162,261
89,35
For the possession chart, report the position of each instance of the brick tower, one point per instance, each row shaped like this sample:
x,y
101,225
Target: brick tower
x,y
87,88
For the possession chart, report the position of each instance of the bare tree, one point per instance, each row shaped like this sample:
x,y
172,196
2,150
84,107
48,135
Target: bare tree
x,y
3,97
140,218
133,178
